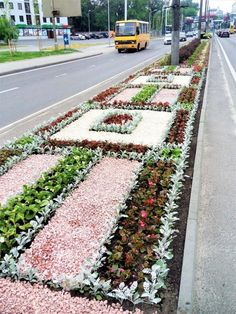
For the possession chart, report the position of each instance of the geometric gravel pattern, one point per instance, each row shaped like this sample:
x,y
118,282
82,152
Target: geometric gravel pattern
x,y
76,231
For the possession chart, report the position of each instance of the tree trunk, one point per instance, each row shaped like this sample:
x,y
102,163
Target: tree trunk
x,y
175,32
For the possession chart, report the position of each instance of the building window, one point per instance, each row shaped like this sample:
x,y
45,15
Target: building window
x,y
44,20
19,6
28,19
27,7
13,18
37,20
21,18
58,20
1,5
50,19
11,6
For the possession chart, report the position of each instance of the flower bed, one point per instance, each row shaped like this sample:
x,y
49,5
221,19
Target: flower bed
x,y
20,210
187,95
87,216
132,263
176,135
150,131
117,121
145,94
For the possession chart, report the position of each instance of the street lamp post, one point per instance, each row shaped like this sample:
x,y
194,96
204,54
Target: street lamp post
x,y
125,10
54,14
108,21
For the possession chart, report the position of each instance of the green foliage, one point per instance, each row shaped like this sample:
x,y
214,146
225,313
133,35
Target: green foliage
x,y
196,53
16,216
23,141
171,153
18,55
7,153
7,30
145,93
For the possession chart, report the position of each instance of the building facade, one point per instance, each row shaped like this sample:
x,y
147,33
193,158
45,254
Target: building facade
x,y
29,13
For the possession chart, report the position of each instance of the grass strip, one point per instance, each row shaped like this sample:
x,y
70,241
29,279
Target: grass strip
x,y
5,56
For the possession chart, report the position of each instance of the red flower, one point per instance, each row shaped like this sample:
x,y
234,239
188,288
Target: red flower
x,y
150,183
144,214
150,201
141,223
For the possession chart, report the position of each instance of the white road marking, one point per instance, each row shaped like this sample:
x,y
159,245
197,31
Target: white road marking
x,y
60,75
227,61
50,66
71,97
8,90
228,93
92,66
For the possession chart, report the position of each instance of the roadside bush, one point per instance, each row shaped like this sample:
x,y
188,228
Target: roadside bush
x,y
186,51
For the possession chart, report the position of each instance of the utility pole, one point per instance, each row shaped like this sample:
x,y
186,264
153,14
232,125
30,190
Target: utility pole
x,y
200,19
54,14
206,13
108,22
175,32
126,10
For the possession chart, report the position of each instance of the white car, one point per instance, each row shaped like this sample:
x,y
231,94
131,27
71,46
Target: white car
x,y
182,36
167,39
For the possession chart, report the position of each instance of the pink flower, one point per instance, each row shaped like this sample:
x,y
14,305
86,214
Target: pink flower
x,y
141,223
150,183
144,214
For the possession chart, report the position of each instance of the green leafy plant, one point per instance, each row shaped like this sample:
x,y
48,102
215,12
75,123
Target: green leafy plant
x,y
145,93
23,141
171,153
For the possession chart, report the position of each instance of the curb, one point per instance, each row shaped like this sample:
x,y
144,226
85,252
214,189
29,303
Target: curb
x,y
185,302
48,64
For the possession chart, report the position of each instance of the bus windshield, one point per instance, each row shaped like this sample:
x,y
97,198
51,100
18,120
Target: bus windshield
x,y
126,29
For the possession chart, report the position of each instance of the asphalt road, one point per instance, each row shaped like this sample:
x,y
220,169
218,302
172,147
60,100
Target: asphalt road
x,y
33,91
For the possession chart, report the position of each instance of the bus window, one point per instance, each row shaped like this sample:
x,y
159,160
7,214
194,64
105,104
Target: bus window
x,y
125,29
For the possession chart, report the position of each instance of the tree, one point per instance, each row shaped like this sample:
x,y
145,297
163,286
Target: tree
x,y
8,32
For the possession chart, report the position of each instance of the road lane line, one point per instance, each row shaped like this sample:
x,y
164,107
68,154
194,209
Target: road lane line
x,y
8,90
60,75
50,66
227,60
75,95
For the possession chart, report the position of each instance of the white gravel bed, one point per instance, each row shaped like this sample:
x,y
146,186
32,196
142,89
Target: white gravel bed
x,y
149,131
126,94
183,80
24,298
25,172
82,223
142,79
166,95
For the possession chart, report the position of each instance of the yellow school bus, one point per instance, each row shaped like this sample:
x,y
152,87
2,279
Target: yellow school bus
x,y
131,34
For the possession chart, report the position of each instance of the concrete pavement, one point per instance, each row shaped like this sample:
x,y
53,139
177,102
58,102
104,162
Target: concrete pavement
x,y
23,65
208,283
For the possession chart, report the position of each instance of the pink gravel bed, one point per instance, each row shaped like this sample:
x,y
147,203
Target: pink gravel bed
x,y
166,95
25,172
24,298
79,226
185,70
126,94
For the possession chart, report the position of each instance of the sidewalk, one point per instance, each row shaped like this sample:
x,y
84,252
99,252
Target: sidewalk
x,y
208,283
18,66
